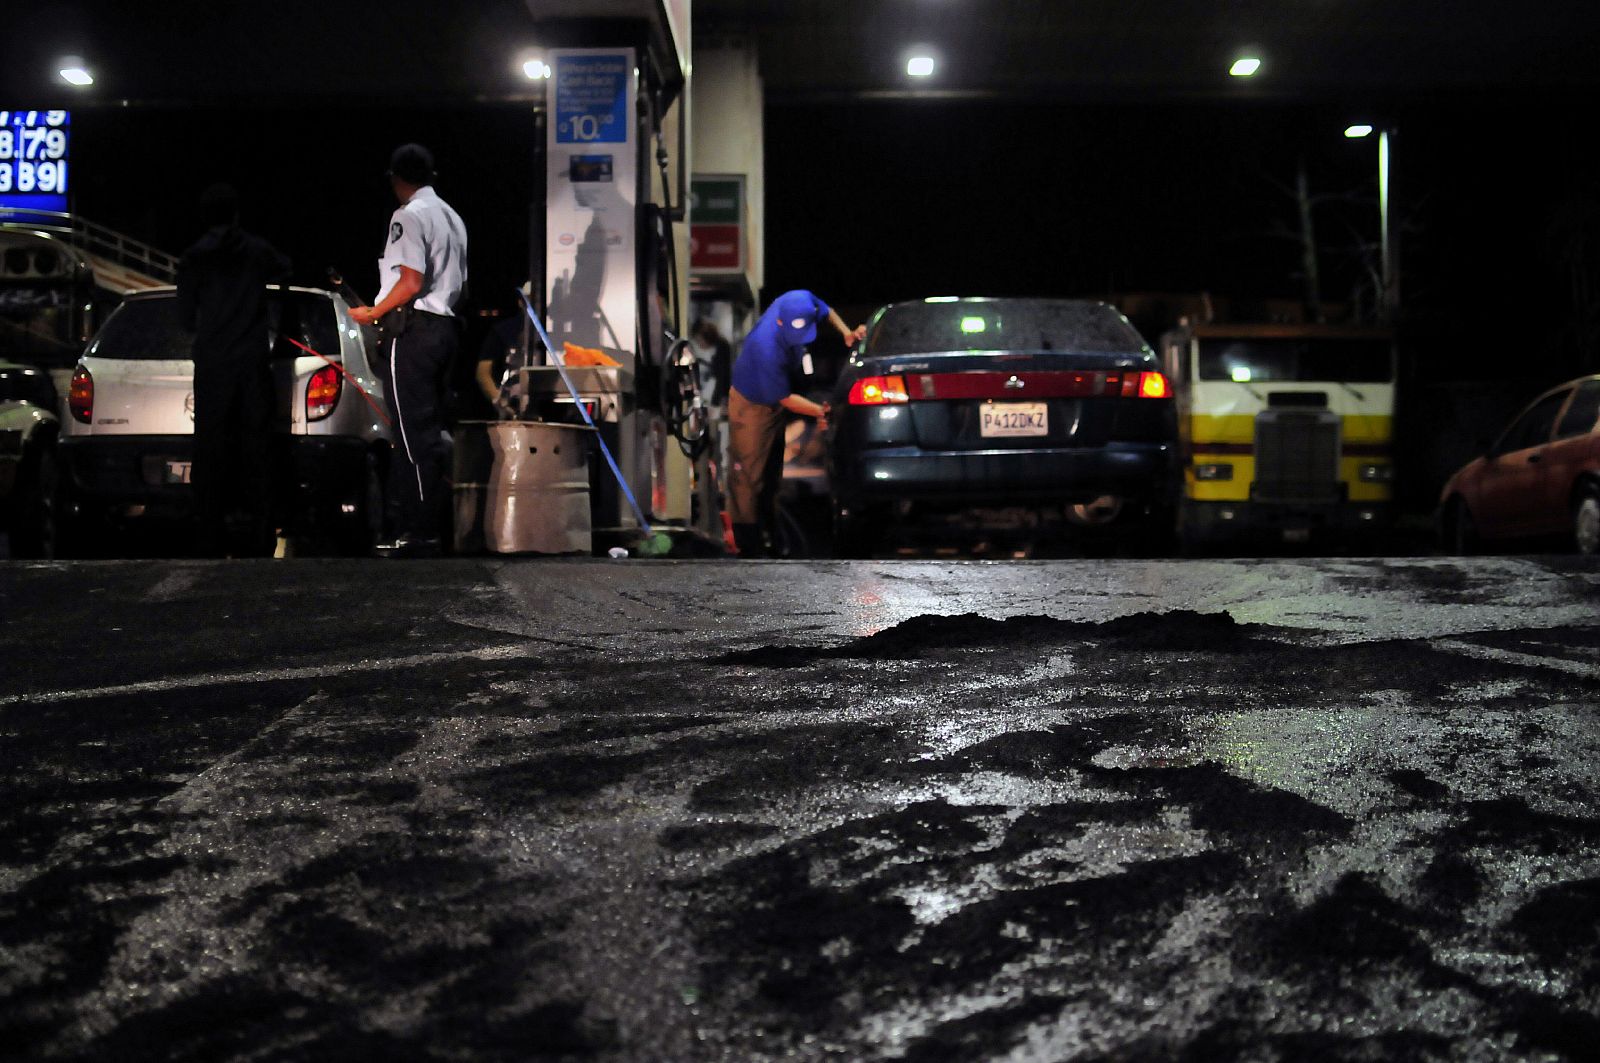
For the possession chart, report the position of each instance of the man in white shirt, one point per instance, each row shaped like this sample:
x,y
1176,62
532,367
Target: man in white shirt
x,y
421,275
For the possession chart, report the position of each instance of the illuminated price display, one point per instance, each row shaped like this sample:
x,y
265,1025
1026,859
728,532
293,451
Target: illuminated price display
x,y
33,159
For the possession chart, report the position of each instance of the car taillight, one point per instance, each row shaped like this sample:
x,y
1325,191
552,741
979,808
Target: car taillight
x,y
322,393
80,396
1154,386
1145,386
878,391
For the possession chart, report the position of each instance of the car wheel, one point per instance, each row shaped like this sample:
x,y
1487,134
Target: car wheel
x,y
361,530
34,528
1586,521
856,531
1459,533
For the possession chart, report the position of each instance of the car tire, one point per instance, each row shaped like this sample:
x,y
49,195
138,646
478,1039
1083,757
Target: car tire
x,y
362,530
35,525
856,531
1586,521
1458,535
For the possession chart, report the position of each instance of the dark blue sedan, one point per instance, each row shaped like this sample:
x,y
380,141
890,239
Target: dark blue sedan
x,y
963,403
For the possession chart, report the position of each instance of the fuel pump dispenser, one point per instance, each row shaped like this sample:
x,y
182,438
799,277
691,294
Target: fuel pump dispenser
x,y
607,282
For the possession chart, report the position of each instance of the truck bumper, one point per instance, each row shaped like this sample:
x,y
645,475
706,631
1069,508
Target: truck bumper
x,y
1214,521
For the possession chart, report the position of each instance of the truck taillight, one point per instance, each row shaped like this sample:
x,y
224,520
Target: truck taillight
x,y
322,393
80,396
878,391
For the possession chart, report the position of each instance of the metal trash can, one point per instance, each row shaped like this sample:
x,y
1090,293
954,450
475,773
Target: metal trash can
x,y
537,499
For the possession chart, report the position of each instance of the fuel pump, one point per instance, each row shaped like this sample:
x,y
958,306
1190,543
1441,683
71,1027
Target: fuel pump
x,y
607,282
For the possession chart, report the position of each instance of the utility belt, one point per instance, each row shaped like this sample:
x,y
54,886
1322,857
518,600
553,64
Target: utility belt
x,y
408,318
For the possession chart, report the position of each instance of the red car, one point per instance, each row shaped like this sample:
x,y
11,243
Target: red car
x,y
1540,479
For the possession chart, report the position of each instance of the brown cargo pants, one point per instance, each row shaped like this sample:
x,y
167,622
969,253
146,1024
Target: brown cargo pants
x,y
755,454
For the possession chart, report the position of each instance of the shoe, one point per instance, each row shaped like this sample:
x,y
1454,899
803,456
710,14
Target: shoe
x,y
400,548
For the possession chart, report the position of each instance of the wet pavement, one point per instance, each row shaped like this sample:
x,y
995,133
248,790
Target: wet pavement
x,y
1098,810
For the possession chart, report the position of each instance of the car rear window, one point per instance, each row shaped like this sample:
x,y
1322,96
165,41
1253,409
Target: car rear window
x,y
1002,325
145,330
1301,360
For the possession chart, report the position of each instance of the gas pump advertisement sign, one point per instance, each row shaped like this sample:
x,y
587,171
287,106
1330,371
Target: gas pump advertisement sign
x,y
592,98
591,182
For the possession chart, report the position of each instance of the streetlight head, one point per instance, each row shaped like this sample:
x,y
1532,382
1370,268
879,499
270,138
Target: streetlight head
x,y
1245,66
1355,132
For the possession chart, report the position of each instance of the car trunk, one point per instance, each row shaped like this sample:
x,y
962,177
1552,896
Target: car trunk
x,y
1023,401
142,398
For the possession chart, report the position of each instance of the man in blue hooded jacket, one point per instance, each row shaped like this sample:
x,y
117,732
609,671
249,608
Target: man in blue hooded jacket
x,y
773,353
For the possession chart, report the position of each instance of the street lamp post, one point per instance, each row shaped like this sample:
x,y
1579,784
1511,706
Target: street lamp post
x,y
1388,247
1388,252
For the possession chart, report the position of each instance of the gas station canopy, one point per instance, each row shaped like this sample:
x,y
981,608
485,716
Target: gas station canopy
x,y
190,52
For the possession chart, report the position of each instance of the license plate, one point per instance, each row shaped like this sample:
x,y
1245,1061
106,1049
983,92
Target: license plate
x,y
177,472
1014,419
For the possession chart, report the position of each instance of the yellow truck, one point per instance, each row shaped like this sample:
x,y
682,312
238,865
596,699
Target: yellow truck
x,y
1286,430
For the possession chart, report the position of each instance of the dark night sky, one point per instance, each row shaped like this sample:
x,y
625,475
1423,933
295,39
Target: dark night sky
x,y
869,202
887,201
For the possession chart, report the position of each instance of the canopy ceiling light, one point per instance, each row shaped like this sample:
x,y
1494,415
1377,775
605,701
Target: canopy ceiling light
x,y
1244,67
920,66
73,72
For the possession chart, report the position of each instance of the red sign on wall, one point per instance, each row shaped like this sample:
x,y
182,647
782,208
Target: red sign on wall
x,y
716,247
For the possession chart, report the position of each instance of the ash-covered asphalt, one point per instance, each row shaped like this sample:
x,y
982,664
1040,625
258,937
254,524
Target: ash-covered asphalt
x,y
501,810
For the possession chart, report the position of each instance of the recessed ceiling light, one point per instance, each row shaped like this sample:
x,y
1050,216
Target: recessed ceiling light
x,y
72,71
1245,67
920,66
536,69
1355,131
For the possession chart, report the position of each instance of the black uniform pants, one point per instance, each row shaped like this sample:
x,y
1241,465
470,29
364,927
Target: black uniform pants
x,y
414,367
230,472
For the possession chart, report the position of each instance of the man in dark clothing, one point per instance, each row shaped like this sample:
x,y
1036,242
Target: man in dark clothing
x,y
222,300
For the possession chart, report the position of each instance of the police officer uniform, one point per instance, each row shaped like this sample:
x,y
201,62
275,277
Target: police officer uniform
x,y
419,339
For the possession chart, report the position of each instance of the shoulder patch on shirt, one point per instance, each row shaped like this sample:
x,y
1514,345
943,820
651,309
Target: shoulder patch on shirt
x,y
395,232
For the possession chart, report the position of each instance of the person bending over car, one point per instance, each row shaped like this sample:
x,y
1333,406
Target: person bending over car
x,y
773,352
222,299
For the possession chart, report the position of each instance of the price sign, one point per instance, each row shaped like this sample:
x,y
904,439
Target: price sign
x,y
34,146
